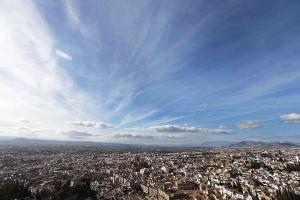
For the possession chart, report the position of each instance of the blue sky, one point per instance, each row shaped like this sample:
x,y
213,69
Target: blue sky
x,y
150,72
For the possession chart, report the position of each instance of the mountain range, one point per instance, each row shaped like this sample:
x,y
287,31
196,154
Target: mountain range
x,y
23,142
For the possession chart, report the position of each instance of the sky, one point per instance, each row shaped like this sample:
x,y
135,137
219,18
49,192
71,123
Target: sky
x,y
150,72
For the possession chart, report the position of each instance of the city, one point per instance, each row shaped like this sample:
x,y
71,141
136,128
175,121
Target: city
x,y
149,173
149,100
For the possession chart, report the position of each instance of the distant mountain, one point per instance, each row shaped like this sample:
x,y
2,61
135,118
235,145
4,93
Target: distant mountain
x,y
245,144
216,144
27,142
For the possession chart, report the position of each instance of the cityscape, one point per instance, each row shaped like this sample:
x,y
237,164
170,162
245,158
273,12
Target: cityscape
x,y
149,100
151,173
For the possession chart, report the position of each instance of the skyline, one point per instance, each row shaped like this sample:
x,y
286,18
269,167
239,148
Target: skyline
x,y
145,72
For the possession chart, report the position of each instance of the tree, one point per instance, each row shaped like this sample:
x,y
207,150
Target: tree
x,y
14,190
287,194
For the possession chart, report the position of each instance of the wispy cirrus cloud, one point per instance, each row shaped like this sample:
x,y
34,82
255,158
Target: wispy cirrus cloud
x,y
137,116
73,14
88,29
33,86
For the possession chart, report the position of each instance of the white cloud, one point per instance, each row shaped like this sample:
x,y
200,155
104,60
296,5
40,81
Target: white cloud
x,y
33,86
291,118
76,134
187,129
100,125
73,12
75,21
63,55
248,125
221,126
137,116
27,131
25,121
146,137
132,136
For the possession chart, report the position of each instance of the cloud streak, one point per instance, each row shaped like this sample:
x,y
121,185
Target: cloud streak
x,y
76,134
32,83
291,118
137,116
187,129
63,54
93,124
249,125
146,137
